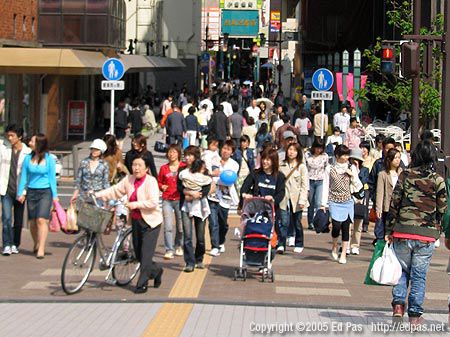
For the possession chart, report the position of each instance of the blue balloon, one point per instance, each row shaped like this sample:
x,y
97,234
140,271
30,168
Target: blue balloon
x,y
228,177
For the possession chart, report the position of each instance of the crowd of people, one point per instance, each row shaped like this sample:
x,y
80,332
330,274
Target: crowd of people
x,y
282,154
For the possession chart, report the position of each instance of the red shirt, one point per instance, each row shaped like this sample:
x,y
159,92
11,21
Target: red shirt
x,y
169,178
136,213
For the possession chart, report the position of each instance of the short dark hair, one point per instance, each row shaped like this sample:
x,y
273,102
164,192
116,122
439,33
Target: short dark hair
x,y
353,119
336,129
192,150
379,138
192,110
365,145
341,150
212,139
230,143
285,119
14,128
175,147
251,121
387,141
318,144
145,158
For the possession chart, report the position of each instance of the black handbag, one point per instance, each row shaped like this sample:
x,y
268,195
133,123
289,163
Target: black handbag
x,y
360,211
160,147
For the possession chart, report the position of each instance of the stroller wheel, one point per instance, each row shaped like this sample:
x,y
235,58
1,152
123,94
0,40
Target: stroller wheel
x,y
272,276
244,274
236,274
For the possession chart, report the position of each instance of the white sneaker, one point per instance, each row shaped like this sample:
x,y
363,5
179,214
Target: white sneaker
x,y
6,251
280,249
342,260
291,241
437,243
355,251
168,256
348,251
179,251
14,250
214,252
298,250
222,248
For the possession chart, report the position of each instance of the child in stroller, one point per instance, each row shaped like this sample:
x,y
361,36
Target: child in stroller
x,y
257,228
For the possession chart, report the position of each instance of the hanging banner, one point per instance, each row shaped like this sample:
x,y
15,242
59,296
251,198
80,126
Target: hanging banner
x,y
76,123
240,23
275,21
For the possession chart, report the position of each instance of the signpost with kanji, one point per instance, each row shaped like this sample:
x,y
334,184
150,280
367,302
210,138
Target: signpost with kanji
x,y
322,81
113,70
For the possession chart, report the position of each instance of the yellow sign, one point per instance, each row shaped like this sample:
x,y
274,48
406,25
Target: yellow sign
x,y
242,23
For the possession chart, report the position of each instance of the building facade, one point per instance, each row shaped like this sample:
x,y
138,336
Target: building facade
x,y
18,92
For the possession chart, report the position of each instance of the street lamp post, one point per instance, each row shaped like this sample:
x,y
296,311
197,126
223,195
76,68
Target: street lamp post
x,y
357,78
337,65
345,59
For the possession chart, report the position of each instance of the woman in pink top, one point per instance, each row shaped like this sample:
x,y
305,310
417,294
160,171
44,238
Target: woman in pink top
x,y
353,134
145,217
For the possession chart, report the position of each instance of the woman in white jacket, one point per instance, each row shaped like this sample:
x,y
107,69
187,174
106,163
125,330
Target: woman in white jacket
x,y
341,180
296,197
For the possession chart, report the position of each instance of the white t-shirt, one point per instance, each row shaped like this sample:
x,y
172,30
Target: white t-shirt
x,y
334,139
253,112
211,158
302,125
231,165
208,103
227,108
342,121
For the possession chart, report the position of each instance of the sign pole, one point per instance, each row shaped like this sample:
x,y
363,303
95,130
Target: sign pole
x,y
323,119
111,129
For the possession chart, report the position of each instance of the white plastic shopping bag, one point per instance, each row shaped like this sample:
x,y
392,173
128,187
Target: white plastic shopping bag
x,y
387,269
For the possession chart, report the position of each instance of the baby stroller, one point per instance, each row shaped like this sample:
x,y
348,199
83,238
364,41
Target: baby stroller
x,y
257,220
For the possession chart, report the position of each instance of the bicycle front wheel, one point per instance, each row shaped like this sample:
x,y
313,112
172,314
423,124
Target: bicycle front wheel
x,y
78,263
125,263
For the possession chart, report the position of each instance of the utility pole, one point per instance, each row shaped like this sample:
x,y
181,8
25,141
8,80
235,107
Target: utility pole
x,y
416,81
280,47
445,107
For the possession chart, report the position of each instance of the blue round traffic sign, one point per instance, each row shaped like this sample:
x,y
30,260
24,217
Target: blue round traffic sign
x,y
113,69
205,57
322,79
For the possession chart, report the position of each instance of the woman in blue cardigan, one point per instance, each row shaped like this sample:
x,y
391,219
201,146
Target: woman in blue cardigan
x,y
38,186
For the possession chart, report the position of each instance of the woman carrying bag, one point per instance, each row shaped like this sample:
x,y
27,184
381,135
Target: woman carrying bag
x,y
340,180
361,199
145,217
413,224
296,197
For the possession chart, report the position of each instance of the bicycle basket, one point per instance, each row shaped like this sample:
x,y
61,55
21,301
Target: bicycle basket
x,y
93,218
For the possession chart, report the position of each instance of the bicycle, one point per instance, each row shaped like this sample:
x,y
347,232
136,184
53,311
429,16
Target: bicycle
x,y
79,261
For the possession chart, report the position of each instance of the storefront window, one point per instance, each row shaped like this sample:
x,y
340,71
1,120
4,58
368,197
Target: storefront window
x,y
73,6
50,6
73,29
97,6
50,28
98,26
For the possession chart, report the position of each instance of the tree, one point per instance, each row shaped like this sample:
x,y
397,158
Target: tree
x,y
393,91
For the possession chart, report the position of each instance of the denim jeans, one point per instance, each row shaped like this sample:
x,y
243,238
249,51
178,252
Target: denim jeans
x,y
11,207
218,224
414,257
379,229
191,257
315,198
289,218
171,210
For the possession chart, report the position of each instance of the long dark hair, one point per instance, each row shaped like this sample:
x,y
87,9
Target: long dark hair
x,y
298,148
390,156
424,154
41,147
271,154
263,129
111,145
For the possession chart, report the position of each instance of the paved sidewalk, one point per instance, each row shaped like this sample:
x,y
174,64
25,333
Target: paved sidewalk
x,y
134,320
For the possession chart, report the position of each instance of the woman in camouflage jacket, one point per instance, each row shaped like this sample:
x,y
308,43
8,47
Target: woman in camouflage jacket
x,y
413,224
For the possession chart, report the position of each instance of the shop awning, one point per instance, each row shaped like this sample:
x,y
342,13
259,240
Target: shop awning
x,y
136,63
54,61
165,62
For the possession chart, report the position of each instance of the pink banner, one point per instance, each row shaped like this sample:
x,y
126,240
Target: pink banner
x,y
349,80
339,86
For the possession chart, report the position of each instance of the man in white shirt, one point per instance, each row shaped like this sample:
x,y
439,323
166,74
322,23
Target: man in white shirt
x,y
342,120
227,107
253,110
209,103
185,109
225,197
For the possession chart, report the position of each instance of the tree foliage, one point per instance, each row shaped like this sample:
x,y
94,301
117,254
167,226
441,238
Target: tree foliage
x,y
393,91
